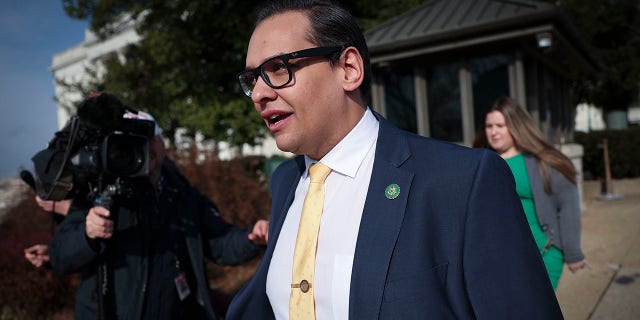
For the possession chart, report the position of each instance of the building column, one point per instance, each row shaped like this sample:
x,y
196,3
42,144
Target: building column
x,y
575,152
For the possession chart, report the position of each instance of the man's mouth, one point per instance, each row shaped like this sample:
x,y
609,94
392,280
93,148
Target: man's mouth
x,y
277,118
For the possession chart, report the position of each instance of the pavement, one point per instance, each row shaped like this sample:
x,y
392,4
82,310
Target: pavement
x,y
611,243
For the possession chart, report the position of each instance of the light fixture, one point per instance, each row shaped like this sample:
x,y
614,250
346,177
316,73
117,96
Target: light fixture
x,y
545,40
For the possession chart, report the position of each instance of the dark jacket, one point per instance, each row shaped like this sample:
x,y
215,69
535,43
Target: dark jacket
x,y
205,234
454,244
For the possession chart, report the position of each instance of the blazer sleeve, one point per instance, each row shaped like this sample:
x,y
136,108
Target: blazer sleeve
x,y
70,250
569,216
503,270
225,244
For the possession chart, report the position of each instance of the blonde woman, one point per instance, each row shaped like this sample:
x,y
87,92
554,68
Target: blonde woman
x,y
545,181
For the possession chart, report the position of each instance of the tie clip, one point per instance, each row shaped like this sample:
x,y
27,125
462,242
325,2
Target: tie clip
x,y
304,286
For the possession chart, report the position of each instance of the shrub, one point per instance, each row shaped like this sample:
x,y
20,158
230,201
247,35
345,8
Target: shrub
x,y
239,189
624,152
28,292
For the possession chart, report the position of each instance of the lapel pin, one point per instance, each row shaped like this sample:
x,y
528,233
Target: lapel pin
x,y
392,191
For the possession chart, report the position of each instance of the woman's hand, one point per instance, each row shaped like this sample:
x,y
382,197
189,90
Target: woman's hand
x,y
575,266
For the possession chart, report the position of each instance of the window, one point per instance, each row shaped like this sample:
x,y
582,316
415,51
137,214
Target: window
x,y
443,90
400,100
490,80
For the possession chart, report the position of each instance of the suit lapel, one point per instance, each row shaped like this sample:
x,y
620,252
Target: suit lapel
x,y
282,196
381,222
280,205
281,201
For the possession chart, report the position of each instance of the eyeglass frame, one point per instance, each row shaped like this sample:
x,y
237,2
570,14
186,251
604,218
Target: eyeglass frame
x,y
258,72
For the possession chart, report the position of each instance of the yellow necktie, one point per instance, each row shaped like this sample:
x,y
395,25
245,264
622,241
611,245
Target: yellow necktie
x,y
301,303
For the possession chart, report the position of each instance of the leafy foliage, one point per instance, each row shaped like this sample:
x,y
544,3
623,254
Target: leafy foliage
x,y
624,152
183,70
28,292
612,28
370,13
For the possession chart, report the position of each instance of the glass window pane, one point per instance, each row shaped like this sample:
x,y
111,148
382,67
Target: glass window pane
x,y
490,78
400,100
445,115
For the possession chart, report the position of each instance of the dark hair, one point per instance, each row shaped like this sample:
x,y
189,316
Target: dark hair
x,y
331,25
528,138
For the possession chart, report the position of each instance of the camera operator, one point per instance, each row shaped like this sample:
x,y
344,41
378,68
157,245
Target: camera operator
x,y
38,254
154,243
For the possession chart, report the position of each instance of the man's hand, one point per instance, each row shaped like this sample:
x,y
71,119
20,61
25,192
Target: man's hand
x,y
37,254
98,223
260,233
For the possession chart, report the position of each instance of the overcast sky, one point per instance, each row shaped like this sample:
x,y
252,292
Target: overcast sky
x,y
31,32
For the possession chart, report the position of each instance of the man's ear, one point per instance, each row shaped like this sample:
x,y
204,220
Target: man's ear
x,y
353,68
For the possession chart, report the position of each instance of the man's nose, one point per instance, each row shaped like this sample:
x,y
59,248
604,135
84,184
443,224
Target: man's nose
x,y
261,92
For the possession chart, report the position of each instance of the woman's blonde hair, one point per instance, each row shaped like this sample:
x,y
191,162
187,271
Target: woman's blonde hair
x,y
528,138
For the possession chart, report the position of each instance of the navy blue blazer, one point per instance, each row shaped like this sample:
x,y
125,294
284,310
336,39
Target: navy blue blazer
x,y
455,243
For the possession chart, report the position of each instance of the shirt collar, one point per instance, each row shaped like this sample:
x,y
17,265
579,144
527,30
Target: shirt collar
x,y
347,156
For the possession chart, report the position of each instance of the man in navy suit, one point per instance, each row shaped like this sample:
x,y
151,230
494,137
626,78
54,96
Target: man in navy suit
x,y
412,227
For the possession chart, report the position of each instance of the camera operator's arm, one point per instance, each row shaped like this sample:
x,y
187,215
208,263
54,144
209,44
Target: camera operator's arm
x,y
38,254
227,244
220,241
71,249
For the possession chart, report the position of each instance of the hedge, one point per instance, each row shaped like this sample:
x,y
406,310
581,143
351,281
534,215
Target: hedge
x,y
624,153
238,187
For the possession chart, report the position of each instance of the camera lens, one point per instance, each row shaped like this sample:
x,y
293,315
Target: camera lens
x,y
126,155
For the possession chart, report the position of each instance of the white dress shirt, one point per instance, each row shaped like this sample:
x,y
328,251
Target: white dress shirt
x,y
351,161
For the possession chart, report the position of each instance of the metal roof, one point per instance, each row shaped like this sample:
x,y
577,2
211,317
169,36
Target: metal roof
x,y
440,19
442,25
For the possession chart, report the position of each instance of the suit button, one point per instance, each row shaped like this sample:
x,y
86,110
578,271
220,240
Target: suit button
x,y
545,227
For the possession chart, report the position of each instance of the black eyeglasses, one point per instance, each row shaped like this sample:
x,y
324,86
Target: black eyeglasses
x,y
276,71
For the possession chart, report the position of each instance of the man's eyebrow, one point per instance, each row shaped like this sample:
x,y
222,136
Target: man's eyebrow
x,y
247,68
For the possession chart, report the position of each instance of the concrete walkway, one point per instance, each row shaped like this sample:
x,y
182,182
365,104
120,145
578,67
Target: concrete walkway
x,y
611,242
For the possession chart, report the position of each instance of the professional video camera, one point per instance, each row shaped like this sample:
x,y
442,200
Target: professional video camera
x,y
97,147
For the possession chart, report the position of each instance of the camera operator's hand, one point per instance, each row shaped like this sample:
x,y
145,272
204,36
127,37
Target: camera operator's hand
x,y
98,223
59,207
37,254
260,232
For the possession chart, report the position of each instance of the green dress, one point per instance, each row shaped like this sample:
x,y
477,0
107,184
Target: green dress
x,y
553,258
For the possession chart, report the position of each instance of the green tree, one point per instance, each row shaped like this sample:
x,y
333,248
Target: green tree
x,y
183,70
612,28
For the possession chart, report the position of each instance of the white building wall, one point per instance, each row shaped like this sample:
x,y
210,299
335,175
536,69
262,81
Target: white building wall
x,y
589,118
634,115
71,65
